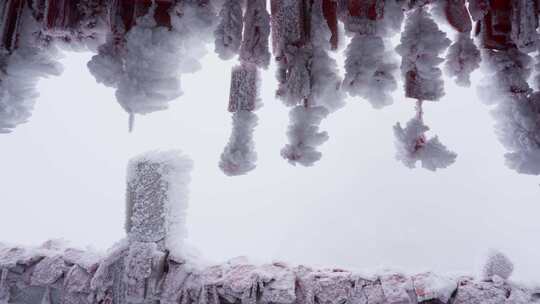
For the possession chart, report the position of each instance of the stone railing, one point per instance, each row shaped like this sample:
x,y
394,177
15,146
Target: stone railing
x,y
150,265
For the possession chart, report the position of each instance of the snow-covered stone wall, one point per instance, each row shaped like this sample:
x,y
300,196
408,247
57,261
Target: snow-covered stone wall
x,y
151,265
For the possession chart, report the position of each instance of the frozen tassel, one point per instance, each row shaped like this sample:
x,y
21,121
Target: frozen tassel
x,y
255,47
370,70
239,156
524,25
228,34
462,58
304,135
421,44
413,145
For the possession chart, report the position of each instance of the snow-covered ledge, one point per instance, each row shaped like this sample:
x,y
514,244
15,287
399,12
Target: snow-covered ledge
x,y
151,266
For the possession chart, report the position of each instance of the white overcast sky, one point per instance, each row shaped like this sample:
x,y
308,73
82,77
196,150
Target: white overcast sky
x,y
63,176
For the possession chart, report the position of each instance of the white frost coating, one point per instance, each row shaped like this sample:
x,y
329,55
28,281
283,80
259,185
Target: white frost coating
x,y
304,135
254,48
478,9
430,286
313,85
19,73
369,70
517,110
496,264
151,67
506,76
524,24
146,67
412,146
107,65
518,128
421,44
163,176
228,34
462,59
325,79
239,156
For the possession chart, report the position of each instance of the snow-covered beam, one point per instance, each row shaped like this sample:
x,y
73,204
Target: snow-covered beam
x,y
146,268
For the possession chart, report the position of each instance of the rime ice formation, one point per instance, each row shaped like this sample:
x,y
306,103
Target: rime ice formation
x,y
143,48
144,58
144,268
413,145
421,44
307,76
370,67
497,264
228,34
239,156
157,189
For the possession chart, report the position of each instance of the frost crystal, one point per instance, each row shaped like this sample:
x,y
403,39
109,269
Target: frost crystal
x,y
412,146
239,156
228,34
304,135
369,70
421,44
254,47
462,59
497,264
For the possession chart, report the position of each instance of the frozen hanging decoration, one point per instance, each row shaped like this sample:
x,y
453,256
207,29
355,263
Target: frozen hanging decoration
x,y
142,48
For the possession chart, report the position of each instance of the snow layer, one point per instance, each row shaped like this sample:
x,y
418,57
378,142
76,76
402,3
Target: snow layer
x,y
134,272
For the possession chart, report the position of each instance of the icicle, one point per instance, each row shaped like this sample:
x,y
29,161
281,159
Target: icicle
x,y
131,122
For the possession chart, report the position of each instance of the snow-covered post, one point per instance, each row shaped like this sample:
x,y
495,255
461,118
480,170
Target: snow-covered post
x,y
156,200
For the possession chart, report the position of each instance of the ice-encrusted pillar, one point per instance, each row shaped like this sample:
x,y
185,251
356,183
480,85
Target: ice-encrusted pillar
x,y
156,198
